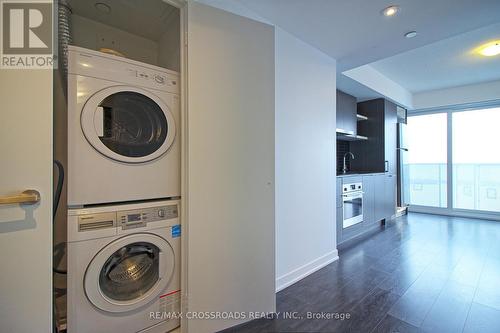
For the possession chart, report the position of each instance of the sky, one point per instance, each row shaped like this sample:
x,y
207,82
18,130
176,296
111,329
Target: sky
x,y
476,137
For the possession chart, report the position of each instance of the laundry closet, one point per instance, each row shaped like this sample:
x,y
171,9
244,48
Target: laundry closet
x,y
164,142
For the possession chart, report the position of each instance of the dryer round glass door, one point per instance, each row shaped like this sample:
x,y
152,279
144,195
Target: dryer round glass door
x,y
129,272
128,124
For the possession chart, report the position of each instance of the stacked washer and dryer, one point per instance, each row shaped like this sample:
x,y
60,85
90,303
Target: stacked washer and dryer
x,y
123,195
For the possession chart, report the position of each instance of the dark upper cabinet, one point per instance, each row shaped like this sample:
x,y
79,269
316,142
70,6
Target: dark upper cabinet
x,y
346,113
390,137
378,153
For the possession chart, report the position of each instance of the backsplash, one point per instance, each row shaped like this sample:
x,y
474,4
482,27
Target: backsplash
x,y
342,148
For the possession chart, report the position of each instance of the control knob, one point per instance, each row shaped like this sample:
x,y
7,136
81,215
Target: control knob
x,y
159,79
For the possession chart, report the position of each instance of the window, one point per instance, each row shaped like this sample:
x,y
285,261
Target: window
x,y
425,167
476,160
453,161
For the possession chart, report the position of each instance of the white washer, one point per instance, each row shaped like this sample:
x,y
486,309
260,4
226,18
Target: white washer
x,y
123,130
124,265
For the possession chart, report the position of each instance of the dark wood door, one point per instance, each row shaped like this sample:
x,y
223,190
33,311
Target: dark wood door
x,y
346,112
390,138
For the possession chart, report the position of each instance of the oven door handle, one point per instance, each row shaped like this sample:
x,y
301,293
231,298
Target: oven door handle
x,y
354,196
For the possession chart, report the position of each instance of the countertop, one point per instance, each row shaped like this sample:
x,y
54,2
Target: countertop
x,y
358,173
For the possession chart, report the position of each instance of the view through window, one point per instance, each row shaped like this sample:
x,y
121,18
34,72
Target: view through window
x,y
476,159
425,166
475,164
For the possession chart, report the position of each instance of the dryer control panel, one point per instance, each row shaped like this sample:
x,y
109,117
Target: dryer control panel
x,y
137,218
100,65
155,78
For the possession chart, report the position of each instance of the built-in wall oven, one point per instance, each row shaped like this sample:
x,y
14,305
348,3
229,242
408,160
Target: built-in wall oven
x,y
352,204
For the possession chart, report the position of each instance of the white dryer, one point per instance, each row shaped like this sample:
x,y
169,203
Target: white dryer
x,y
123,130
124,268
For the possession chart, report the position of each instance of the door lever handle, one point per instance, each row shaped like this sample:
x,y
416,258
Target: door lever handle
x,y
28,197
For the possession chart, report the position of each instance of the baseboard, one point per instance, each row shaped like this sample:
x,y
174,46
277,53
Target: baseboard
x,y
298,274
457,213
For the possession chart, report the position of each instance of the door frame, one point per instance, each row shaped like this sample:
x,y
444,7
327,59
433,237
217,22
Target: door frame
x,y
183,218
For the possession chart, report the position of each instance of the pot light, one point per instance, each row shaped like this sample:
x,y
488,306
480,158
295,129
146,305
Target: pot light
x,y
390,11
411,34
490,49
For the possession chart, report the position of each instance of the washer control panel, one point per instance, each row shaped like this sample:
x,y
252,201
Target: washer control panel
x,y
137,218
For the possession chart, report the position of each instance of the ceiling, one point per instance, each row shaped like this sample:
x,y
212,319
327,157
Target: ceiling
x,y
444,64
148,19
354,88
355,33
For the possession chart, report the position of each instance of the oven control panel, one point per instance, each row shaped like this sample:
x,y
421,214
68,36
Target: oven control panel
x,y
352,187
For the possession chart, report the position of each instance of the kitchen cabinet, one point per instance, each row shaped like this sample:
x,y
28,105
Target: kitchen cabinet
x,y
385,196
369,200
379,195
340,217
390,196
339,192
346,113
379,203
378,153
390,137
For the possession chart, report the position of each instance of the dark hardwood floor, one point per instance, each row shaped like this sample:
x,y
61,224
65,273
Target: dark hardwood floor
x,y
420,273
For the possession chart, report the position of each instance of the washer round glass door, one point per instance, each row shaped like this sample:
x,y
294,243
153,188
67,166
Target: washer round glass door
x,y
129,272
128,124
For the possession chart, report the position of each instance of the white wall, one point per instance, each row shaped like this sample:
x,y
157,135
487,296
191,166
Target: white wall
x,y
305,149
169,53
469,94
373,79
229,199
86,33
235,7
305,159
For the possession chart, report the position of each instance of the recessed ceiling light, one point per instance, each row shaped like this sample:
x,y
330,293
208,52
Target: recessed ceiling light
x,y
411,34
102,7
390,11
490,49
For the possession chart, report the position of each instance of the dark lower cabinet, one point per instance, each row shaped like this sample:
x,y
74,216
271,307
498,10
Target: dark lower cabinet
x,y
390,196
379,203
369,200
340,217
379,190
339,192
385,196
